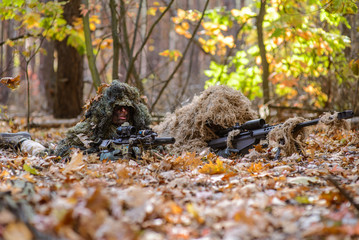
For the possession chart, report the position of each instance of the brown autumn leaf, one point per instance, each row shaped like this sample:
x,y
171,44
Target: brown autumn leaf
x,y
11,82
76,163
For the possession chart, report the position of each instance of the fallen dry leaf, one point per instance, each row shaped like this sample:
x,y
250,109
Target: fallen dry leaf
x,y
11,82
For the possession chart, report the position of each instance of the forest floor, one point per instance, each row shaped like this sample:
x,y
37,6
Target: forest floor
x,y
183,197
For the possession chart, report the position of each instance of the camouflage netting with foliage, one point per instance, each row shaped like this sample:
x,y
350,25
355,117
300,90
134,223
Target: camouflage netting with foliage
x,y
291,141
283,136
193,125
333,123
97,122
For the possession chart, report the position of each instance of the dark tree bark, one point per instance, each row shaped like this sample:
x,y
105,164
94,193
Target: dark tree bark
x,y
69,79
263,52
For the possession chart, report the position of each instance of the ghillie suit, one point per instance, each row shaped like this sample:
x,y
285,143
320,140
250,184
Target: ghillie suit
x,y
193,125
283,136
97,123
291,141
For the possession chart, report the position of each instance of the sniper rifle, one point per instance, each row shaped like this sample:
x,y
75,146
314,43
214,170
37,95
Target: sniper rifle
x,y
131,143
252,132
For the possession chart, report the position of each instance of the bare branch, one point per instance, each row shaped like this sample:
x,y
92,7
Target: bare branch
x,y
18,37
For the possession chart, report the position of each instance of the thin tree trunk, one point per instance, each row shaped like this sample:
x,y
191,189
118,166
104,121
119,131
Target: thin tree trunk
x,y
89,49
263,52
47,75
7,67
116,42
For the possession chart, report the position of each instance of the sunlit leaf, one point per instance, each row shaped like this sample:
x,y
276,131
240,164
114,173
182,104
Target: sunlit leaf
x,y
213,168
181,13
152,11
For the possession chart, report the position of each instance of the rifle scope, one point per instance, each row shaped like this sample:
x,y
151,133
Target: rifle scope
x,y
126,131
253,124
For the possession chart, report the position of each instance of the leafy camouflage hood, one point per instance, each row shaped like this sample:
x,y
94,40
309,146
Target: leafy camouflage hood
x,y
100,110
97,122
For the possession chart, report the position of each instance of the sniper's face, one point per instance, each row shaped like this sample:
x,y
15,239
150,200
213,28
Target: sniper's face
x,y
121,114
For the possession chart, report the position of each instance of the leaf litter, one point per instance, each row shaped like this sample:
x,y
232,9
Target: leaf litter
x,y
185,196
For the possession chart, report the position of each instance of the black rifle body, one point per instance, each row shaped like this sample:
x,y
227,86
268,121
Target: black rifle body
x,y
130,143
252,132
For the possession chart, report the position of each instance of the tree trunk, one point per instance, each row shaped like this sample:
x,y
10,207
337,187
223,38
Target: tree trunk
x,y
263,52
69,77
116,42
7,67
47,75
89,49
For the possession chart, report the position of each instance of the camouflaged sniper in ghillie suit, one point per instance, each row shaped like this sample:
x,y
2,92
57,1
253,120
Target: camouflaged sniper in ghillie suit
x,y
97,122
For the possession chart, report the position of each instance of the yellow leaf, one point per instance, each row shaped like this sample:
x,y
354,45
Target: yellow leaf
x,y
223,27
209,26
187,35
213,168
165,53
92,27
107,43
26,53
94,19
255,167
229,41
185,25
235,12
201,41
181,13
176,20
152,11
211,42
9,43
32,20
206,49
156,3
180,30
176,54
162,9
10,82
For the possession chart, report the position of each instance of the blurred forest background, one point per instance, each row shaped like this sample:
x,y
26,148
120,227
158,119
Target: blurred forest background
x,y
282,54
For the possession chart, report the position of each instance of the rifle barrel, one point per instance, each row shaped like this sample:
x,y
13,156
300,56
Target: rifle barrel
x,y
164,140
341,115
